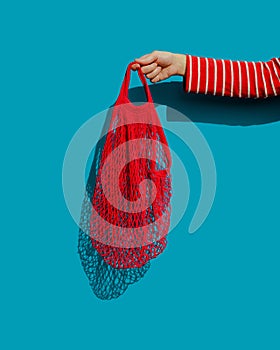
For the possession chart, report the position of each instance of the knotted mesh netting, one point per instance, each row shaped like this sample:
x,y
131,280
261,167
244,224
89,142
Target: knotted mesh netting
x,y
129,228
106,282
126,210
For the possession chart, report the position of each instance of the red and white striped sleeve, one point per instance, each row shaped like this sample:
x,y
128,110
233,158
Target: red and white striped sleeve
x,y
232,78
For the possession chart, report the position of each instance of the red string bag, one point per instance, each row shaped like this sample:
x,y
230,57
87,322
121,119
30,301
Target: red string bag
x,y
131,199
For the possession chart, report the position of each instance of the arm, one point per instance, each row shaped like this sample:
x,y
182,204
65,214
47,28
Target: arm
x,y
215,76
232,78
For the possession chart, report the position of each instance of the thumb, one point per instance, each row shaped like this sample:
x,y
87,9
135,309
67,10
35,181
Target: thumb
x,y
135,66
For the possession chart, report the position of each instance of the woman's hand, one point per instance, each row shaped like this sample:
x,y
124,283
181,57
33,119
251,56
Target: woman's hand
x,y
160,65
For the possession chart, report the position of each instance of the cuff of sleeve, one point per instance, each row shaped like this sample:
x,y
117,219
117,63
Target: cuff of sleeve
x,y
191,75
186,75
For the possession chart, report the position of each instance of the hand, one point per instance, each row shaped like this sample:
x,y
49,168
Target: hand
x,y
160,65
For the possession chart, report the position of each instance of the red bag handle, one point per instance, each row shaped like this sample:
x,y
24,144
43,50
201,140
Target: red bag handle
x,y
123,96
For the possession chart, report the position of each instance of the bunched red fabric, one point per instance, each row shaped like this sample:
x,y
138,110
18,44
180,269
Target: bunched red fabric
x,y
131,200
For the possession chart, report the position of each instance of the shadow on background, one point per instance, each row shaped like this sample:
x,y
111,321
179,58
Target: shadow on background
x,y
210,109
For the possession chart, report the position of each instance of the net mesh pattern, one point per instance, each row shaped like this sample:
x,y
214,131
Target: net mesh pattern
x,y
126,209
145,159
106,282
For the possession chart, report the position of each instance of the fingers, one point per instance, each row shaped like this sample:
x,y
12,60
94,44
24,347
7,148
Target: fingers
x,y
153,73
145,69
162,75
155,65
147,59
156,79
149,68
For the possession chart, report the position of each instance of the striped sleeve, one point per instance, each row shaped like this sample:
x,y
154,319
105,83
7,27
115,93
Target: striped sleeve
x,y
232,78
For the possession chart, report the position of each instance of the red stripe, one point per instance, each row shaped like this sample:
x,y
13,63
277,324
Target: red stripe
x,y
228,78
260,80
219,75
253,90
244,88
211,75
236,79
194,74
202,75
268,72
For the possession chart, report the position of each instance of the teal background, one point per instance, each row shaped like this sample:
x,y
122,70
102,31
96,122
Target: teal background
x,y
61,63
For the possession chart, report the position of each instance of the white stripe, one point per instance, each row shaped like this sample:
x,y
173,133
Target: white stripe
x,y
265,89
232,78
275,70
248,78
278,61
198,75
271,80
190,77
256,80
239,74
206,86
224,77
215,75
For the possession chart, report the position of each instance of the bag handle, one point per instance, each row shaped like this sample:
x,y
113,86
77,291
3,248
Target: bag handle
x,y
123,96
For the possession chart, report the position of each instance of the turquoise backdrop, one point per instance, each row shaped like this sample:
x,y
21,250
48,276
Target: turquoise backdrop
x,y
61,63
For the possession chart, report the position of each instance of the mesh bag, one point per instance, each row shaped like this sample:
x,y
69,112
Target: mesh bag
x,y
106,282
131,199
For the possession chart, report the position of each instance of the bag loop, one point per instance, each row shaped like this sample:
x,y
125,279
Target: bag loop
x,y
123,96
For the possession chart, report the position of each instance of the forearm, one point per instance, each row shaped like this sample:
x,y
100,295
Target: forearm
x,y
232,78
